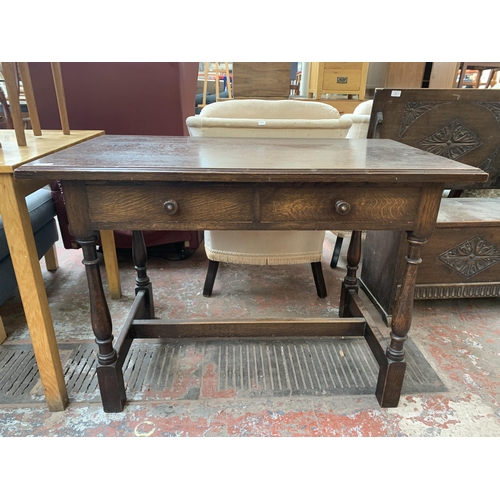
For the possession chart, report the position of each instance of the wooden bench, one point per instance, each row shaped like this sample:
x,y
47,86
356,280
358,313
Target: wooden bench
x,y
462,258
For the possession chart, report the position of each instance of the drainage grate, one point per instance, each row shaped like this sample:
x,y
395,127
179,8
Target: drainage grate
x,y
190,369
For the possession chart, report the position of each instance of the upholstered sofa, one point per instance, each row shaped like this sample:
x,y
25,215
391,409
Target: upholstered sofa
x,y
42,215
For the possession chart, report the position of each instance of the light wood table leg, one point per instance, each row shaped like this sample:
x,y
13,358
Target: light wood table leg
x,y
3,334
32,290
111,263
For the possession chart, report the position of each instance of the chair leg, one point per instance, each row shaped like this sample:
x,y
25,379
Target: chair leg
x,y
319,279
336,252
210,279
51,260
3,334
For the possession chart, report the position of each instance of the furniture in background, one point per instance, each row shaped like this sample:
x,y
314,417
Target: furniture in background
x,y
417,75
475,70
439,75
273,119
255,184
462,259
261,80
347,78
42,218
19,146
216,72
120,98
24,252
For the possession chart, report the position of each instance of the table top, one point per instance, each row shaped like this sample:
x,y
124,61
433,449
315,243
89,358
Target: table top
x,y
12,155
161,158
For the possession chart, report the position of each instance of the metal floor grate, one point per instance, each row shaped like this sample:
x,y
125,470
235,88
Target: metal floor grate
x,y
191,369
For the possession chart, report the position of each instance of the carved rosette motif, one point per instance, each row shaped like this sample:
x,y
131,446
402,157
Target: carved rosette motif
x,y
471,256
414,110
453,141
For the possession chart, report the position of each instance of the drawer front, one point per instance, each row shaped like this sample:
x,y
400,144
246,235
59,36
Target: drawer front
x,y
356,66
239,206
343,207
341,80
128,207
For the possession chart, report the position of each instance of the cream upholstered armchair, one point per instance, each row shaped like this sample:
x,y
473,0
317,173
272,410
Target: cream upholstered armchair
x,y
360,120
274,119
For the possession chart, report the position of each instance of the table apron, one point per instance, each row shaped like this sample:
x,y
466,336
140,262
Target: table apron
x,y
208,206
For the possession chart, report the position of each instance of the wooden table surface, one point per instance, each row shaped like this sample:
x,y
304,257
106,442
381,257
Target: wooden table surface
x,y
282,160
138,182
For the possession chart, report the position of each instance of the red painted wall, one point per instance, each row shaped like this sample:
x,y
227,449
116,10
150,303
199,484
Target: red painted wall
x,y
120,98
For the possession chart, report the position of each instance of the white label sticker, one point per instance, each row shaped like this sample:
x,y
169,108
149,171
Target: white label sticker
x,y
262,122
396,93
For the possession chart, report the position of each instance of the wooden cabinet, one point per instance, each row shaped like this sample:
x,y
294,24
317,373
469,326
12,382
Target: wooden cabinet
x,y
417,75
337,78
261,80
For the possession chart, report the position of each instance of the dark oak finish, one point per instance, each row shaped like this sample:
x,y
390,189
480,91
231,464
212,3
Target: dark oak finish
x,y
462,258
144,183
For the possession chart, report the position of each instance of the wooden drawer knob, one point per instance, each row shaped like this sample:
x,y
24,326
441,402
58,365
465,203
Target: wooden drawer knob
x,y
342,207
170,207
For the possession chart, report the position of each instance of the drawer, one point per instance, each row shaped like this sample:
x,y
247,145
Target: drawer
x,y
341,80
384,207
143,206
239,206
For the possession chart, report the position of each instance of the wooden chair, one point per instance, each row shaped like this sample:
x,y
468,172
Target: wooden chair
x,y
462,259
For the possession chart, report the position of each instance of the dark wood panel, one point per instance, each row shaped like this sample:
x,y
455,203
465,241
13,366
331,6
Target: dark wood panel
x,y
261,79
144,206
319,204
352,327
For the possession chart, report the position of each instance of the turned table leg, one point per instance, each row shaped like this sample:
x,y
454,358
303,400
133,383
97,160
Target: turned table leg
x,y
109,370
350,281
142,282
392,370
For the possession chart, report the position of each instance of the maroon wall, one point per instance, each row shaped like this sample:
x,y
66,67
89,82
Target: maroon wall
x,y
120,98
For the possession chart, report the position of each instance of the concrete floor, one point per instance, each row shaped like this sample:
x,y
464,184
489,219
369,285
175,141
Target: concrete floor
x,y
460,339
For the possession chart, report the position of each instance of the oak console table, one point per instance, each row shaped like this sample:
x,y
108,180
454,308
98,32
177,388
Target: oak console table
x,y
183,183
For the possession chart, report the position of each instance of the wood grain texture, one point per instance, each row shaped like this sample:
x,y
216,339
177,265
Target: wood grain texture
x,y
167,182
12,156
261,79
26,265
3,334
405,75
111,263
61,98
51,260
462,256
22,248
12,84
141,158
24,72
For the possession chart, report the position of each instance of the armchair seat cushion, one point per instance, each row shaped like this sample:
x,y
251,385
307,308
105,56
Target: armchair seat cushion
x,y
264,247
